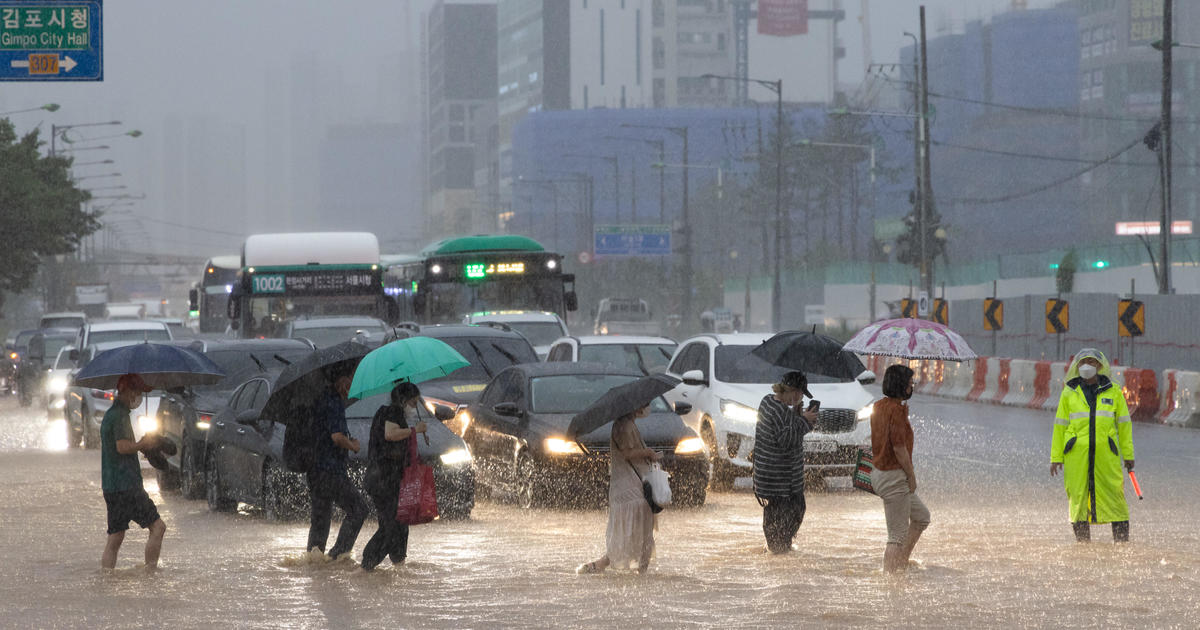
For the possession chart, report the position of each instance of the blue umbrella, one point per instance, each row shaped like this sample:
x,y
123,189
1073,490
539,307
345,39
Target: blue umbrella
x,y
413,359
160,365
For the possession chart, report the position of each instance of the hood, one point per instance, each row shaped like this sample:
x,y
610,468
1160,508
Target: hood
x,y
359,417
850,395
451,391
1088,353
661,428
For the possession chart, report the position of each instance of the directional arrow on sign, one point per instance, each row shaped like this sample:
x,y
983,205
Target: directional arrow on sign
x,y
68,63
1131,319
1058,318
20,63
940,314
993,314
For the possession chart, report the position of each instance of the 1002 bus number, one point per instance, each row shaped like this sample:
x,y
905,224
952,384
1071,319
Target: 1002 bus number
x,y
268,284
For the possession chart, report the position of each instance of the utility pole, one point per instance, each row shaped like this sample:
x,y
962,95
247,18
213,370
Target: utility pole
x,y
926,184
1164,285
776,289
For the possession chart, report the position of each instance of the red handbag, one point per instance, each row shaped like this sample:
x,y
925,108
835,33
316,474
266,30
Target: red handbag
x,y
418,497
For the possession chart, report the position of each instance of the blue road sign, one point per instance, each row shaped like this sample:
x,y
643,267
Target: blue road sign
x,y
51,40
632,240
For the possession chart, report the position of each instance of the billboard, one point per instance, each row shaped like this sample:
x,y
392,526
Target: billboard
x,y
782,18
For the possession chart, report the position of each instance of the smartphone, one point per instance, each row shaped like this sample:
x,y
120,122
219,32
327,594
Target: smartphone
x,y
814,405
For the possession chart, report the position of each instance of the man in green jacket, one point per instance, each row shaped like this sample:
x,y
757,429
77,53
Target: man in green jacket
x,y
1092,435
121,475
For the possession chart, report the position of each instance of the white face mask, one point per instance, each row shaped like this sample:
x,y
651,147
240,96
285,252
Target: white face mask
x,y
1087,371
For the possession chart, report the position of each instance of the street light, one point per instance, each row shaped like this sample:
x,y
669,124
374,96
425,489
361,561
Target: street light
x,y
74,164
662,187
135,133
102,146
101,175
776,286
121,187
55,130
616,164
49,107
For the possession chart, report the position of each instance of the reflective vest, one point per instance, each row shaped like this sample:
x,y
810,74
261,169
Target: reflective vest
x,y
1090,442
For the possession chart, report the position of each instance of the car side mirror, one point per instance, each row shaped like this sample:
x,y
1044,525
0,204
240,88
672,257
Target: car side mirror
x,y
683,409
73,355
247,416
571,301
694,377
507,409
193,299
866,378
444,413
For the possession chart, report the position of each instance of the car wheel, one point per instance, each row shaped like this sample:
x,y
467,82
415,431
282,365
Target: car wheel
x,y
216,500
191,479
721,479
74,433
278,503
529,490
90,439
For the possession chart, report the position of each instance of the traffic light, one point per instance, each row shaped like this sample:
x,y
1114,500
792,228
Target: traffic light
x,y
1100,264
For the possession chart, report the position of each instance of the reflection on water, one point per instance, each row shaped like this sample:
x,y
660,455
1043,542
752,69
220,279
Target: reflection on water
x,y
55,437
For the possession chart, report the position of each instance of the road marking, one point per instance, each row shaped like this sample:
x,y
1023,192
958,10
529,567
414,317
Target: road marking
x,y
972,461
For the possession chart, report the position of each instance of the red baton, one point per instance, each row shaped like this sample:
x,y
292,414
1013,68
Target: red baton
x,y
1136,487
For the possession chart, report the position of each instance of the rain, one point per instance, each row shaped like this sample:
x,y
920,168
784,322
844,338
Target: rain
x,y
615,245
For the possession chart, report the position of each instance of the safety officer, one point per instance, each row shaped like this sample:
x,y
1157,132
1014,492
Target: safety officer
x,y
1092,435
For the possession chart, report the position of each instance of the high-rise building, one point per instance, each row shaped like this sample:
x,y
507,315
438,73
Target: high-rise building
x,y
461,92
692,38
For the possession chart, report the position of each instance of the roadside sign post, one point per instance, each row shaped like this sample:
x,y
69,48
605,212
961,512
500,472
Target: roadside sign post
x,y
51,40
908,308
1058,322
993,316
941,311
923,304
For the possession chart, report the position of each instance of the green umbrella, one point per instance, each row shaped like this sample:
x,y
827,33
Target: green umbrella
x,y
414,359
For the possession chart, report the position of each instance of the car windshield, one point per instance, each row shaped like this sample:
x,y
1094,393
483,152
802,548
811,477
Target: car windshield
x,y
326,336
538,333
144,334
54,344
64,362
572,393
646,358
487,356
242,363
61,322
735,364
22,340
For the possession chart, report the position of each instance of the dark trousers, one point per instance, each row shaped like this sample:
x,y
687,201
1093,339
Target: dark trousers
x,y
1083,531
324,490
391,539
781,519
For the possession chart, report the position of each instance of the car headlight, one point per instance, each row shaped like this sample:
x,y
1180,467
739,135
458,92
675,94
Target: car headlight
x,y
148,424
559,446
737,411
865,413
456,457
57,385
689,445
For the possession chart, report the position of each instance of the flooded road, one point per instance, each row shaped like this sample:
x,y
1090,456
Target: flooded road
x,y
999,553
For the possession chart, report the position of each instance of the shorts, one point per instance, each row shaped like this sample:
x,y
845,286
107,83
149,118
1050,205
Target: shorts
x,y
129,505
901,508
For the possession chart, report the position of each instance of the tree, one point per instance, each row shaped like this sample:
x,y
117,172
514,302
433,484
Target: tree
x,y
41,211
1064,277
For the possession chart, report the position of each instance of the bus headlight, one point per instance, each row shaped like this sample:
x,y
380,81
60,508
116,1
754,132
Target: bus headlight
x,y
456,457
148,424
551,264
436,268
559,446
689,445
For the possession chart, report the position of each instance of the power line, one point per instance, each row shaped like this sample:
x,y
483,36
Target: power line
x,y
187,227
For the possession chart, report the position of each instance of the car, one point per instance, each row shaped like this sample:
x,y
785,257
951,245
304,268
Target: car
x,y
724,384
41,354
58,379
85,407
178,326
70,320
625,316
185,414
93,333
487,349
541,328
517,428
328,331
15,348
244,457
645,354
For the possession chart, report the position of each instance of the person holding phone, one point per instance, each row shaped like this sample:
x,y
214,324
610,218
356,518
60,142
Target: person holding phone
x,y
779,458
894,479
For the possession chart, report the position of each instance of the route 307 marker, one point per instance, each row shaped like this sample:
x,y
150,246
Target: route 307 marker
x,y
51,40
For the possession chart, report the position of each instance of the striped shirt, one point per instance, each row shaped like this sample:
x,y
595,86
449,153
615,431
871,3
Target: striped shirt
x,y
779,450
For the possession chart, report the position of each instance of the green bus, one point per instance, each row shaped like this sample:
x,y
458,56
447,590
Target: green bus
x,y
467,274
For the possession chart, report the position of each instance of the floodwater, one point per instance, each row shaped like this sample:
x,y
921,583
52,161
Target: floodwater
x,y
999,553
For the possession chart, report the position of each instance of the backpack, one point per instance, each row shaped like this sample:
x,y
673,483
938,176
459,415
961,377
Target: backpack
x,y
299,447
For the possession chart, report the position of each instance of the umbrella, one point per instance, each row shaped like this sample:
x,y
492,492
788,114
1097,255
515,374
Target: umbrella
x,y
161,366
810,353
911,339
300,384
619,401
414,359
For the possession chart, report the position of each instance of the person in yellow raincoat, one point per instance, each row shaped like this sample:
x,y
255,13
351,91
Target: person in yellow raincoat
x,y
1092,435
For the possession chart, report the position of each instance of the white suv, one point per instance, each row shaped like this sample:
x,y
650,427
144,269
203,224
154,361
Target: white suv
x,y
541,328
724,384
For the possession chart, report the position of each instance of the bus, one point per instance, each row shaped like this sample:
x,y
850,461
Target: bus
x,y
209,299
468,274
311,274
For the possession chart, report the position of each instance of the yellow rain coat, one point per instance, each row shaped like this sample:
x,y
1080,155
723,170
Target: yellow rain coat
x,y
1090,439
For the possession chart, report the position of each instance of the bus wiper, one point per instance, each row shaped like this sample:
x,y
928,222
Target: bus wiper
x,y
482,362
261,367
282,360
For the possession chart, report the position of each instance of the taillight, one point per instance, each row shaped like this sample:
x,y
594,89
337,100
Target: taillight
x,y
102,394
14,356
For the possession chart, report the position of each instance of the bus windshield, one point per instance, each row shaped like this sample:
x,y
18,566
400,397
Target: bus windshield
x,y
449,301
267,312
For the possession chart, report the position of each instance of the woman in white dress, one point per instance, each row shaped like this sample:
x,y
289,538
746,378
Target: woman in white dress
x,y
630,536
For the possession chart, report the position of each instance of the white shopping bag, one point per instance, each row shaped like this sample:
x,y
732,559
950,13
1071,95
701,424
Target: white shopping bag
x,y
660,485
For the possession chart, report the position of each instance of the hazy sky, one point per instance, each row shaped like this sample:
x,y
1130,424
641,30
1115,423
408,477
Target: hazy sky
x,y
234,64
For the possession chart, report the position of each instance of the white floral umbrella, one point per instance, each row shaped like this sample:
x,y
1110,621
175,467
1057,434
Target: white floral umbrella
x,y
911,339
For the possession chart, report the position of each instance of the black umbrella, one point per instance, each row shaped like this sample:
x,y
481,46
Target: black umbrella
x,y
300,384
619,401
810,353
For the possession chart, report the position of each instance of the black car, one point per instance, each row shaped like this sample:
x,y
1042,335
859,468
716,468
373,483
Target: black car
x,y
245,455
488,350
516,432
33,348
185,415
16,349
